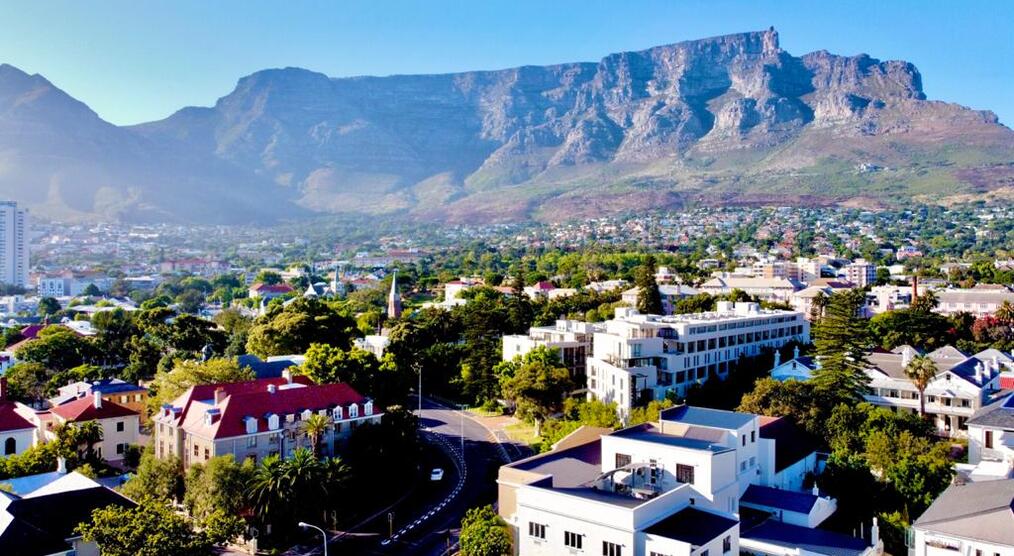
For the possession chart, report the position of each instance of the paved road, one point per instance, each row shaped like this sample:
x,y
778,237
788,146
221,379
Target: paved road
x,y
436,511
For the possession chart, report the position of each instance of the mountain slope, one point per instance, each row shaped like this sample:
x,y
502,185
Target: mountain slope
x,y
731,119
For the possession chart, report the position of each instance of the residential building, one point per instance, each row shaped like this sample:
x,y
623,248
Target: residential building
x,y
113,390
17,433
572,338
257,418
268,292
797,368
670,293
637,358
607,285
768,289
803,300
672,487
120,425
978,301
991,436
861,272
962,386
968,518
41,514
14,256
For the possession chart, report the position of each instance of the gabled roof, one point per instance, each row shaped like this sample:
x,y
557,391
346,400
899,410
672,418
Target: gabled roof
x,y
983,511
10,420
706,417
811,541
999,414
84,409
271,288
41,525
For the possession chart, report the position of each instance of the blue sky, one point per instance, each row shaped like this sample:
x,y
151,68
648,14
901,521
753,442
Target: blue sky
x,y
135,61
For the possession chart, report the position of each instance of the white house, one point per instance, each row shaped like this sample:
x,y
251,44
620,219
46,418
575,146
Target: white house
x,y
969,518
991,436
120,425
638,357
17,433
770,289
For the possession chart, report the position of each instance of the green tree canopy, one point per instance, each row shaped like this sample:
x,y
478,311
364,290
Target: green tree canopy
x,y
484,533
293,328
649,299
842,340
155,529
167,386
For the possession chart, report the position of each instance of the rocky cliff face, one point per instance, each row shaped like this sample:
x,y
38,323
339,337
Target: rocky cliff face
x,y
729,119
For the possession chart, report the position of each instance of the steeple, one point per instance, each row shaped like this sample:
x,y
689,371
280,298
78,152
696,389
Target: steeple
x,y
393,299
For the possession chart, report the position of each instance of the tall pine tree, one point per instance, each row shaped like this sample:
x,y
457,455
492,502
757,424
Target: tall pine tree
x,y
649,299
842,340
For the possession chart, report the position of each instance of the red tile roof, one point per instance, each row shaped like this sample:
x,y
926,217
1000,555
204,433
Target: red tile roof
x,y
84,410
252,399
272,288
9,418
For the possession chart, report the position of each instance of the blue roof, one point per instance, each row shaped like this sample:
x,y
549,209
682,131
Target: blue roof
x,y
788,500
114,385
705,417
30,483
813,540
265,369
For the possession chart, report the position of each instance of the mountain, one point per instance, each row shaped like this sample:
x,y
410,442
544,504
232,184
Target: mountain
x,y
730,119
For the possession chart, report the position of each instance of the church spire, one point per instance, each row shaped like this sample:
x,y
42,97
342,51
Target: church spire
x,y
393,299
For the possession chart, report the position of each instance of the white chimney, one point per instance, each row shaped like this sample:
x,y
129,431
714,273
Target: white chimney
x,y
61,465
219,395
875,533
778,359
97,399
816,491
906,356
272,388
978,372
287,375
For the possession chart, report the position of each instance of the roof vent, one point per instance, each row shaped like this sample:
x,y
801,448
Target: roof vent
x,y
272,388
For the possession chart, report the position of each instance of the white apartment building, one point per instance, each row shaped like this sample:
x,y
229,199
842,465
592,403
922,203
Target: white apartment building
x,y
13,244
670,294
861,273
572,338
769,289
978,301
669,488
638,357
962,386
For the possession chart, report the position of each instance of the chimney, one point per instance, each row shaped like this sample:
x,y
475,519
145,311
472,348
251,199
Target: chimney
x,y
816,490
97,399
219,395
875,533
61,465
906,356
272,388
778,359
287,375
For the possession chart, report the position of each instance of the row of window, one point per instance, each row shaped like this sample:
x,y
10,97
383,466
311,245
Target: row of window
x,y
573,540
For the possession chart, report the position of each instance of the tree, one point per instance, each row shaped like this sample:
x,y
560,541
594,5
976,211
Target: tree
x,y
48,306
26,382
519,307
484,533
285,492
58,348
167,386
92,291
327,364
649,299
217,484
842,340
1005,313
537,386
294,327
921,370
158,478
79,439
315,427
268,277
154,529
649,413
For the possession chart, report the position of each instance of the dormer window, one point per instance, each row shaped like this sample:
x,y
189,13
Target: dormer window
x,y
339,413
211,416
251,424
272,421
368,407
353,411
306,414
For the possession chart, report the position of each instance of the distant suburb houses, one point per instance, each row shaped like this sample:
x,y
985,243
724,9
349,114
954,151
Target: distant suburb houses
x,y
257,418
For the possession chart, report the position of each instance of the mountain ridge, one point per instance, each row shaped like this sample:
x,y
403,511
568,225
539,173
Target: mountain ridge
x,y
731,119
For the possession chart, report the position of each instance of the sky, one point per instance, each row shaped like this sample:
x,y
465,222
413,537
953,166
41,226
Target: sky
x,y
135,61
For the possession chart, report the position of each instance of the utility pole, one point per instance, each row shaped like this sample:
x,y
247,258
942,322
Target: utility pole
x,y
390,524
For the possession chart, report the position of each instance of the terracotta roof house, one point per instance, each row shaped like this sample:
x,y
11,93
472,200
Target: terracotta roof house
x,y
269,291
17,433
119,423
258,418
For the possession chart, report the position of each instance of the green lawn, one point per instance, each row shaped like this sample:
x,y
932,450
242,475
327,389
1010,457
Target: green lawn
x,y
522,432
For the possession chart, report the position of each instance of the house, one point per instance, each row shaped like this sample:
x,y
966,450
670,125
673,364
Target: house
x,y
120,424
373,343
40,515
670,293
113,390
268,292
973,518
787,455
638,358
606,285
803,299
539,289
979,301
17,433
572,338
991,436
962,386
797,368
257,418
768,289
679,486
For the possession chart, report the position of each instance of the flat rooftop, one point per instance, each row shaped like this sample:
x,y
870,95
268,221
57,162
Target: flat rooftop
x,y
570,468
650,433
706,417
693,526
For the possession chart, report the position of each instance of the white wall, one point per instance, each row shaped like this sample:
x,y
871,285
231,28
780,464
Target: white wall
x,y
23,439
110,437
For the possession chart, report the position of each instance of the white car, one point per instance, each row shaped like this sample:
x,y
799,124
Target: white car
x,y
437,474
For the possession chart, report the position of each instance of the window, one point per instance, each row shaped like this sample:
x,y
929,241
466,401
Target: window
x,y
119,426
120,448
622,460
611,549
744,440
573,540
703,553
727,544
753,436
988,441
251,442
537,530
685,473
207,453
197,450
10,446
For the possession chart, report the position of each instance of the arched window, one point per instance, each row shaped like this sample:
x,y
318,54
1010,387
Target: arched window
x,y
10,446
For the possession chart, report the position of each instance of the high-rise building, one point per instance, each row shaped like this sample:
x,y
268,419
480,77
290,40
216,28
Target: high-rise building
x,y
13,244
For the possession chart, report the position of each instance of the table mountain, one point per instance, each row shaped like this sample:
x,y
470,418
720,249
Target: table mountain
x,y
731,119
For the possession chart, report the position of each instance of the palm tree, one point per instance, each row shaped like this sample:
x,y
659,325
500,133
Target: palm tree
x,y
1005,313
921,370
315,426
90,434
270,489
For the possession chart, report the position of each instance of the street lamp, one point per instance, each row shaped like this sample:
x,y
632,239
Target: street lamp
x,y
305,525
